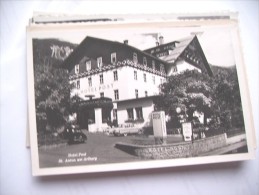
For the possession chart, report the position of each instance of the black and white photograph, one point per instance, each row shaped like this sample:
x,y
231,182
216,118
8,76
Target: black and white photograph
x,y
123,96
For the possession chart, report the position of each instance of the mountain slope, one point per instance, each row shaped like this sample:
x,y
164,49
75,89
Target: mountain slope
x,y
51,51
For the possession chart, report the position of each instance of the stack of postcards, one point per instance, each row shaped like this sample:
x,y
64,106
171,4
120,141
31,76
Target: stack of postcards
x,y
129,92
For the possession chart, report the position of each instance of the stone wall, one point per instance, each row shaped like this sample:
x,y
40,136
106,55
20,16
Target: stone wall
x,y
179,150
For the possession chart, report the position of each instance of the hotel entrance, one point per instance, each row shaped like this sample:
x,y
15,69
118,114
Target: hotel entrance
x,y
85,116
94,113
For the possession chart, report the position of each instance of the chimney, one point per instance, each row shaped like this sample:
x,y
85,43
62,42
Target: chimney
x,y
157,43
126,42
161,40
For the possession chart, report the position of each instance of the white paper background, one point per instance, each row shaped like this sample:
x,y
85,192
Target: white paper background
x,y
15,166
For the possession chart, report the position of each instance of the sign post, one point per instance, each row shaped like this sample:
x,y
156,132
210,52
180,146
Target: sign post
x,y
159,127
187,131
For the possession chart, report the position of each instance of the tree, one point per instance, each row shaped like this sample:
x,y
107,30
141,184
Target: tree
x,y
227,105
51,84
217,97
190,91
52,96
199,97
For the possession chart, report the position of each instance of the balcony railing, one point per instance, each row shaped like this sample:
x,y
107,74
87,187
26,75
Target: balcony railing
x,y
116,65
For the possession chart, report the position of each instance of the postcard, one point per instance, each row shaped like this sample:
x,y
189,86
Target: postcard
x,y
127,95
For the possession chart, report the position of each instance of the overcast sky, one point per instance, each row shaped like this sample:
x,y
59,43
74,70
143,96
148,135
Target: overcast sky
x,y
215,41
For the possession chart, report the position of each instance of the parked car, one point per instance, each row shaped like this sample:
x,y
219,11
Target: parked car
x,y
74,135
109,131
126,129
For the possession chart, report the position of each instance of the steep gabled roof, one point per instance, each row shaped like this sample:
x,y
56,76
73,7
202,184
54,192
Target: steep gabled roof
x,y
178,50
182,45
79,51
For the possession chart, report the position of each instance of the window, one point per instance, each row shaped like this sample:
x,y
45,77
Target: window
x,y
144,61
99,62
90,81
139,113
145,93
130,114
162,68
113,58
145,77
101,79
78,84
154,79
77,68
135,75
116,94
135,58
88,65
153,65
136,93
115,75
102,94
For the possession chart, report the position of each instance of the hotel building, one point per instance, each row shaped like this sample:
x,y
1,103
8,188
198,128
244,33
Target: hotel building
x,y
126,77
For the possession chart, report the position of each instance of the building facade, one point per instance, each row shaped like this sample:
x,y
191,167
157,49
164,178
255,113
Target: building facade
x,y
128,76
181,55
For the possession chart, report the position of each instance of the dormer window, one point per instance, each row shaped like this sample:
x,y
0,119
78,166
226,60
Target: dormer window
x,y
77,69
113,58
144,61
135,58
99,62
88,65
